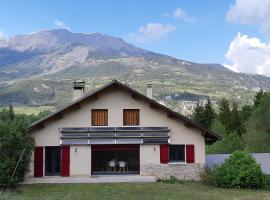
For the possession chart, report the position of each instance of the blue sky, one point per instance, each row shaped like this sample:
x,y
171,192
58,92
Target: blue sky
x,y
187,29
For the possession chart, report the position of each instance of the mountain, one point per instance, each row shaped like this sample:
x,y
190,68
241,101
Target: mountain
x,y
38,69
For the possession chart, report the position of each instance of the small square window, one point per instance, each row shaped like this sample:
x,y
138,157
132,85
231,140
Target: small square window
x,y
131,117
177,153
99,117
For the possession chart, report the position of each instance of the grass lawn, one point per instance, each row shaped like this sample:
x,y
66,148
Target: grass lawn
x,y
32,110
187,190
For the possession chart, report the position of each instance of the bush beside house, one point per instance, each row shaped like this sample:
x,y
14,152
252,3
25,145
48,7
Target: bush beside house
x,y
14,138
240,170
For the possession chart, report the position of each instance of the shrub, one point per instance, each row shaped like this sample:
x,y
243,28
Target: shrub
x,y
14,138
228,144
240,170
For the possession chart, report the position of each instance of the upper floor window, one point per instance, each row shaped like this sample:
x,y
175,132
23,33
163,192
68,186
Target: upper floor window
x,y
99,117
131,117
177,153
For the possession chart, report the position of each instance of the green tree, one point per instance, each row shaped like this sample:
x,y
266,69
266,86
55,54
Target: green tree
x,y
236,124
209,114
225,114
228,144
258,97
246,112
14,138
198,114
260,119
204,115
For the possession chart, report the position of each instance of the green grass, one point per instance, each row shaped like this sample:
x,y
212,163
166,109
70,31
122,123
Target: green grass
x,y
29,110
183,190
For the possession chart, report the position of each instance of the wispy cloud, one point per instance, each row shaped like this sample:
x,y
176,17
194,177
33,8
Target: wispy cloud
x,y
61,24
182,15
152,32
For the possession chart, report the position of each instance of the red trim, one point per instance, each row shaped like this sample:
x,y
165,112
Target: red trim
x,y
164,153
65,160
190,153
38,162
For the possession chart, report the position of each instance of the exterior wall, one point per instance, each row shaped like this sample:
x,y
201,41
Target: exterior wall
x,y
80,161
179,171
150,166
149,154
115,101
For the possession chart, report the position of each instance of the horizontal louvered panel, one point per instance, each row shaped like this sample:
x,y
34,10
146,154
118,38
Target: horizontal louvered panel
x,y
155,141
74,130
112,129
129,134
101,135
129,141
114,141
74,142
102,141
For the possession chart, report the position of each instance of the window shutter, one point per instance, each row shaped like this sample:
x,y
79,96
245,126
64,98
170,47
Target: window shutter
x,y
131,117
38,162
99,117
164,153
190,153
65,160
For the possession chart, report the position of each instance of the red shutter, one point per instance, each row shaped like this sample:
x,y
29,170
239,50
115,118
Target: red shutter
x,y
65,160
164,153
190,153
38,162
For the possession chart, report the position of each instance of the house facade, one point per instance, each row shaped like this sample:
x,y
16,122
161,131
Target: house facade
x,y
116,130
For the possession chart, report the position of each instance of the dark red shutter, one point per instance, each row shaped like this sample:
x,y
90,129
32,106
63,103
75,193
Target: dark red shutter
x,y
190,153
164,153
65,160
38,162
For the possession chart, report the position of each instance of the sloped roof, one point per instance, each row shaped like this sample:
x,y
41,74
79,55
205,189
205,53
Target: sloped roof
x,y
209,135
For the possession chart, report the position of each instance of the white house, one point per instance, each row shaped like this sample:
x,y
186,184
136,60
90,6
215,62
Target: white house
x,y
116,130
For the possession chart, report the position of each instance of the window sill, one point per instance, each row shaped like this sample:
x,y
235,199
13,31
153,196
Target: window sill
x,y
177,163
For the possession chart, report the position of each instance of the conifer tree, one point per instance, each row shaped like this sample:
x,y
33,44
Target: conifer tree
x,y
224,114
258,96
236,124
204,115
209,114
197,115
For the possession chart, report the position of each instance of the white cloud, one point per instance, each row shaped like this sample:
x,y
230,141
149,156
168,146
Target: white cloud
x,y
61,24
249,55
256,12
182,15
152,32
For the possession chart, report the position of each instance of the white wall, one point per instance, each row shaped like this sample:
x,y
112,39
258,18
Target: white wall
x,y
80,161
149,154
115,101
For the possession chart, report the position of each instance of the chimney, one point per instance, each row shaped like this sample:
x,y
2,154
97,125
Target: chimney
x,y
149,91
78,89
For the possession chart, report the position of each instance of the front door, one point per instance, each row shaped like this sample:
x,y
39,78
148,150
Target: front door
x,y
52,161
